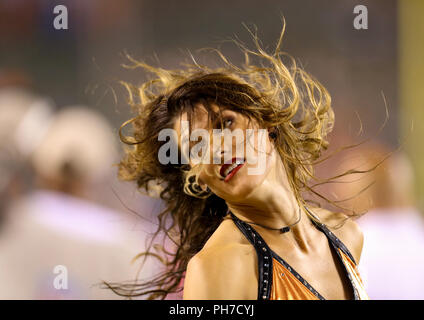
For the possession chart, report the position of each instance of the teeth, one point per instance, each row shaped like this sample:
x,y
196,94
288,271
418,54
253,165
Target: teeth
x,y
230,168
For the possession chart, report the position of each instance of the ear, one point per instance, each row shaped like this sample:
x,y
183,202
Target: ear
x,y
272,133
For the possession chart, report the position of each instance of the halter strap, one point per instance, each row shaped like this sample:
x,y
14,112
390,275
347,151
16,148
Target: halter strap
x,y
264,257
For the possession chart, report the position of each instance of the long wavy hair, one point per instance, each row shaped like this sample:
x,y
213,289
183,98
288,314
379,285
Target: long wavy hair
x,y
276,94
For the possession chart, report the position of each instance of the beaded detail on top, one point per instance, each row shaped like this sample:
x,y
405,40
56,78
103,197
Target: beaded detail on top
x,y
279,281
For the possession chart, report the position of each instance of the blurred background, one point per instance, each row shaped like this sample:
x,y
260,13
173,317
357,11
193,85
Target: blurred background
x,y
60,110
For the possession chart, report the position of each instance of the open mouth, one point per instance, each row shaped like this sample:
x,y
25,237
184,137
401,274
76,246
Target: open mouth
x,y
230,169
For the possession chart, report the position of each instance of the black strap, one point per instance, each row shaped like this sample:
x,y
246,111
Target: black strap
x,y
338,244
264,257
334,240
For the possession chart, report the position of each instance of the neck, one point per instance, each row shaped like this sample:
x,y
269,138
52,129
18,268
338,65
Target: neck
x,y
274,205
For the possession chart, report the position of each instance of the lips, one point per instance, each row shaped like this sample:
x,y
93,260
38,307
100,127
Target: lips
x,y
229,169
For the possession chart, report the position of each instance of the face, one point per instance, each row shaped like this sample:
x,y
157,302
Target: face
x,y
224,181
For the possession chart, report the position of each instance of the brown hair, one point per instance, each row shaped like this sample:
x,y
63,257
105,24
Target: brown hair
x,y
276,94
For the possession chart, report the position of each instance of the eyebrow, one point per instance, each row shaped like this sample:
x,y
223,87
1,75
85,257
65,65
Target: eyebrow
x,y
213,117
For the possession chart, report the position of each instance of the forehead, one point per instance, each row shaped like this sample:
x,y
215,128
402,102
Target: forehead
x,y
198,117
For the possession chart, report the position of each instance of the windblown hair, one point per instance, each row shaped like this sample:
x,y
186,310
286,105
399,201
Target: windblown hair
x,y
275,94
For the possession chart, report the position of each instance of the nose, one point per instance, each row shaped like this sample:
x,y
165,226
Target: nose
x,y
219,157
223,149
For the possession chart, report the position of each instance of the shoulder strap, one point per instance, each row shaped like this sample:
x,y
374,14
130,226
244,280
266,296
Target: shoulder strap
x,y
333,238
264,257
337,244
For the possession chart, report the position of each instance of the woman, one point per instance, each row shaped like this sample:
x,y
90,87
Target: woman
x,y
239,235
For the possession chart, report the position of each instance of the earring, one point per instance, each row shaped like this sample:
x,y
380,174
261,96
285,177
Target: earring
x,y
195,190
272,135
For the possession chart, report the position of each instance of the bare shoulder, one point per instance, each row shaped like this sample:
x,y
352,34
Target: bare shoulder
x,y
349,232
224,269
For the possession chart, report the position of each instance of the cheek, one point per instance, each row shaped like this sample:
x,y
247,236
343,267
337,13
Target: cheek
x,y
246,182
258,145
261,153
269,160
206,175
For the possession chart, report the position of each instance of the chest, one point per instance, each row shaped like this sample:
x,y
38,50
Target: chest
x,y
324,271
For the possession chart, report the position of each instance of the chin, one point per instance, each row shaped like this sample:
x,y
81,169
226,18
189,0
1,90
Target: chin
x,y
242,186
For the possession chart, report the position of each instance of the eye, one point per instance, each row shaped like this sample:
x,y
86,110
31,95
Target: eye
x,y
228,121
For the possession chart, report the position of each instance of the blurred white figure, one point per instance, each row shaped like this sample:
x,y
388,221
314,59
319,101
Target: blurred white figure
x,y
392,260
24,118
56,243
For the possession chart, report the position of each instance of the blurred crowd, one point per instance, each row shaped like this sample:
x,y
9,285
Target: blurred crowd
x,y
67,223
383,196
63,230
59,218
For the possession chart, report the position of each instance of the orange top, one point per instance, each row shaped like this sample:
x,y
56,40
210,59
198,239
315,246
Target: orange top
x,y
279,281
